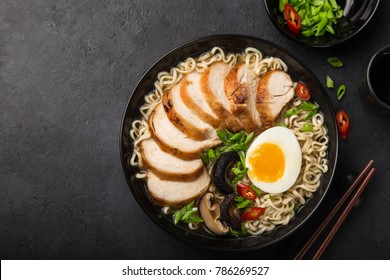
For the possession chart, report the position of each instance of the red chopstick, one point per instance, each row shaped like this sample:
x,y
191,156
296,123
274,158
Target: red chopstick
x,y
359,185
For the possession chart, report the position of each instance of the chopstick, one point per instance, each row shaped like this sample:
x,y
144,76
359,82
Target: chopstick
x,y
359,185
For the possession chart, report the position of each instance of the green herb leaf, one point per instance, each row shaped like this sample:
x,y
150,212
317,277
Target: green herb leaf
x,y
335,62
341,91
329,82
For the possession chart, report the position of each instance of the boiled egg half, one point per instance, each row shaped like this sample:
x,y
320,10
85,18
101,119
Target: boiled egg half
x,y
274,160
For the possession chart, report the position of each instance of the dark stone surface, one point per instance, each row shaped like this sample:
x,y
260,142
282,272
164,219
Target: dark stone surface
x,y
67,69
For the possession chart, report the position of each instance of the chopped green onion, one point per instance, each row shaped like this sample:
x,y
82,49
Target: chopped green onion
x,y
235,232
339,13
297,206
308,33
282,3
249,138
335,62
307,127
187,214
236,136
341,91
256,189
222,135
329,82
308,106
290,112
282,124
330,29
241,202
322,24
211,154
317,16
310,115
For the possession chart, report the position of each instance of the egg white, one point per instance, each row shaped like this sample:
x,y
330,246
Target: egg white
x,y
285,139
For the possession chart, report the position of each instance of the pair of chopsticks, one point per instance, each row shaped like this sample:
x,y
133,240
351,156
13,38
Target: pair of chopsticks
x,y
349,198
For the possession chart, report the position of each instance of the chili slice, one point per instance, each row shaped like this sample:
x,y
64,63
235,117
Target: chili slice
x,y
343,124
253,213
302,91
293,19
246,191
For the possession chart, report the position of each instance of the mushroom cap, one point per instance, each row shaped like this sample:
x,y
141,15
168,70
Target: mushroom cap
x,y
229,212
221,170
210,212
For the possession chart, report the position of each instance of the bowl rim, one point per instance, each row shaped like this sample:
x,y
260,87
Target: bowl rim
x,y
325,45
184,237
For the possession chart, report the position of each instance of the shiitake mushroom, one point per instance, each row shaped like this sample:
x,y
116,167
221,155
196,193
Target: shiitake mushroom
x,y
209,210
222,174
229,212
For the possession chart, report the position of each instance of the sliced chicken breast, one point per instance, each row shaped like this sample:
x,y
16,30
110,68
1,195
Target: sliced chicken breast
x,y
175,193
167,166
213,88
274,91
183,118
192,96
240,90
172,140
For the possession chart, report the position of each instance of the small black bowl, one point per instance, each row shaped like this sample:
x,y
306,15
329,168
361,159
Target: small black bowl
x,y
229,43
375,88
356,15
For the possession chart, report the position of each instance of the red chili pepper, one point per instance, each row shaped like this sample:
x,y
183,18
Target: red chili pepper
x,y
246,191
253,213
343,124
302,91
293,19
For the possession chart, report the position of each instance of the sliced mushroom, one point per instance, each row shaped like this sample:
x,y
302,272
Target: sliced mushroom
x,y
210,212
221,174
229,213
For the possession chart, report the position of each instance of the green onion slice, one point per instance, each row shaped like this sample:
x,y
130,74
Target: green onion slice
x,y
341,91
308,106
307,127
335,62
329,82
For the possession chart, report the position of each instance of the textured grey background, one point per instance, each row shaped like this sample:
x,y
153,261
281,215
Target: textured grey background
x,y
67,69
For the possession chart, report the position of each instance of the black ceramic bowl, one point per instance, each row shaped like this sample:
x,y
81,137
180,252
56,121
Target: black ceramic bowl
x,y
356,15
231,43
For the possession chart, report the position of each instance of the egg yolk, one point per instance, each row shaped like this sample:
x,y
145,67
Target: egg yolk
x,y
267,163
